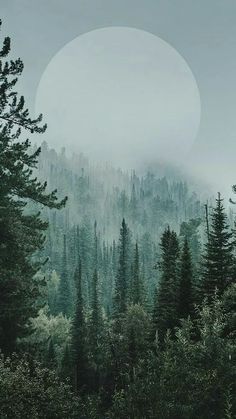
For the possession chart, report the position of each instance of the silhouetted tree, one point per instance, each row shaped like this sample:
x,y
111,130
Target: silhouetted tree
x,y
21,232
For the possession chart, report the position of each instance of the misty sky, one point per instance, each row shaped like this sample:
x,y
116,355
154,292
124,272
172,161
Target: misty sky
x,y
121,96
203,32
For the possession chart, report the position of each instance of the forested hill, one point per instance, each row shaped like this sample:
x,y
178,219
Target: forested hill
x,y
103,196
107,195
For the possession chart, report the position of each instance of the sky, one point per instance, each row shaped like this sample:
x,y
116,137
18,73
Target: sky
x,y
203,32
120,95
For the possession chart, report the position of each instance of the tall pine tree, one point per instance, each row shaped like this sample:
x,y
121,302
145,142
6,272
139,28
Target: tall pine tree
x,y
218,261
165,314
137,286
123,273
79,336
185,304
21,233
95,332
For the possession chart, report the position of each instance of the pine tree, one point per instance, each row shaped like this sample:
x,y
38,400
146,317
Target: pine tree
x,y
218,261
96,313
137,286
21,233
165,314
186,304
122,277
95,331
79,335
64,292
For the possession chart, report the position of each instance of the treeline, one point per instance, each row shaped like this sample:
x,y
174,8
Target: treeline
x,y
92,327
99,192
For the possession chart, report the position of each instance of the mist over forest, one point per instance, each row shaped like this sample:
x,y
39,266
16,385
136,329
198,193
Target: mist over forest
x,y
117,289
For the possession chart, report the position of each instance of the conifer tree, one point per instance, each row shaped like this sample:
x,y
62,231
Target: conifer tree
x,y
64,292
165,314
186,304
95,331
21,233
137,286
79,335
96,314
218,261
122,277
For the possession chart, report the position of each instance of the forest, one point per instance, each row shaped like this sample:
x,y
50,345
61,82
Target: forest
x,y
117,289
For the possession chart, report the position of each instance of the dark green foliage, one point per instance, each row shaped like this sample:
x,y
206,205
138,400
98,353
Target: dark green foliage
x,y
64,291
67,367
137,293
218,261
229,307
30,391
165,314
95,335
190,231
50,360
186,301
123,274
21,232
188,379
79,336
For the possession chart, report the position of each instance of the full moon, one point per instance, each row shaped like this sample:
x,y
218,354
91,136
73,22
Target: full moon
x,y
120,95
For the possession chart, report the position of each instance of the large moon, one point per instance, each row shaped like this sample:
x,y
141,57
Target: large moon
x,y
121,95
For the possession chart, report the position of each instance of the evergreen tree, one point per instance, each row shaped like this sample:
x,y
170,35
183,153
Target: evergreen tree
x,y
122,277
190,230
137,286
186,304
96,313
21,233
165,314
64,293
79,335
218,261
95,331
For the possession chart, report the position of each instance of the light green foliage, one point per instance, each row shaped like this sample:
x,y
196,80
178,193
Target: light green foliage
x,y
45,327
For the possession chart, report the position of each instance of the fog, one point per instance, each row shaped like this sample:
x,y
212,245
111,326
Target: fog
x,y
203,33
120,95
